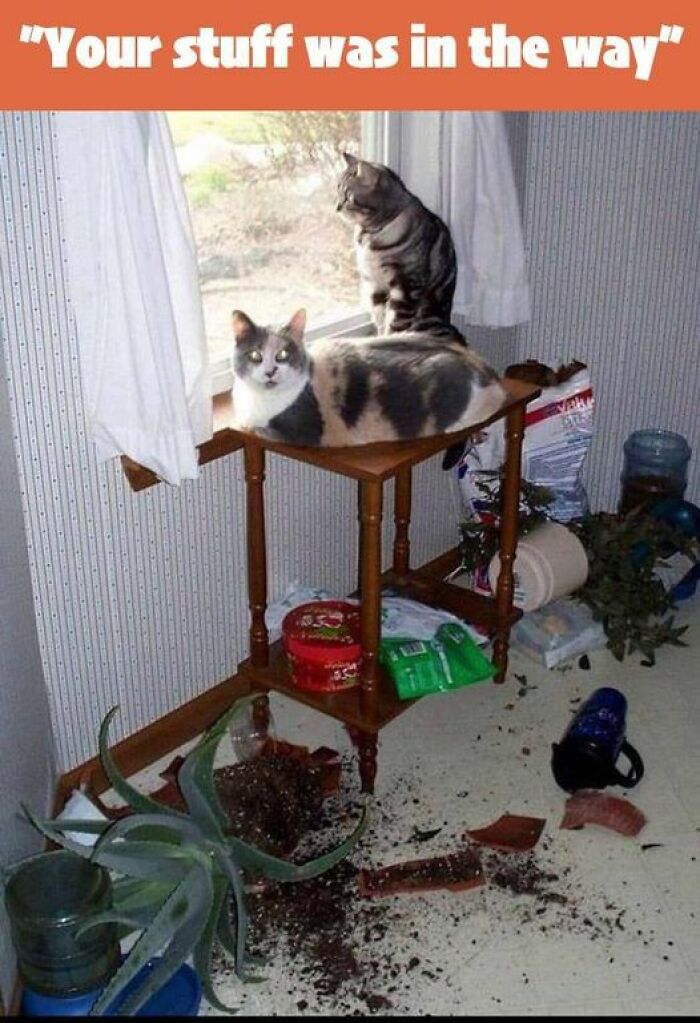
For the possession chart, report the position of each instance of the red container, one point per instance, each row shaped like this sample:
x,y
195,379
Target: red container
x,y
322,643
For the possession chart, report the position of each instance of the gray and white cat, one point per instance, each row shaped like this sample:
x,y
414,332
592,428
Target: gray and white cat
x,y
405,255
337,392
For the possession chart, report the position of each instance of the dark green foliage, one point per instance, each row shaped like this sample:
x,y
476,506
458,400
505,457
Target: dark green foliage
x,y
621,589
480,539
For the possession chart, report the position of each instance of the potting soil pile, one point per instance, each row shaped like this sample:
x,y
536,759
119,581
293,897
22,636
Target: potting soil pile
x,y
326,949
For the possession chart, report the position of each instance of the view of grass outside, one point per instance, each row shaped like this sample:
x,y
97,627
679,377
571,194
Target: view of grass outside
x,y
262,194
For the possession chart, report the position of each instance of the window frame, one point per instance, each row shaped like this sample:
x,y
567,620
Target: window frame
x,y
381,143
380,138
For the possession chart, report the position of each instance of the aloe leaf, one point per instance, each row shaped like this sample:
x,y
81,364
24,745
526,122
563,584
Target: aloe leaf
x,y
282,870
235,937
143,859
196,782
54,834
151,827
175,930
133,894
227,933
230,868
85,827
184,942
196,776
129,921
226,930
202,953
136,800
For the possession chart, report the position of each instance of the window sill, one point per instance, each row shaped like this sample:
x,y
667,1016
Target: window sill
x,y
223,442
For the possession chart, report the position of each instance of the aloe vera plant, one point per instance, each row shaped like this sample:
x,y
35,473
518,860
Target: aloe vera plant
x,y
180,881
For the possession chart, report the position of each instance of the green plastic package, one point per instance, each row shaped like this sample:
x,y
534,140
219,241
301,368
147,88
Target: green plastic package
x,y
450,660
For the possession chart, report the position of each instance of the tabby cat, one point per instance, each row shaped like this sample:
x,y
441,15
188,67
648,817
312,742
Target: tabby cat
x,y
405,255
336,392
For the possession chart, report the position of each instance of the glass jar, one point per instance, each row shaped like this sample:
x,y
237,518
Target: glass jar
x,y
655,467
47,898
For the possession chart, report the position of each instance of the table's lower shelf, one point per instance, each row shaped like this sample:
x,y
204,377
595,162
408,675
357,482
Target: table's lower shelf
x,y
348,707
354,707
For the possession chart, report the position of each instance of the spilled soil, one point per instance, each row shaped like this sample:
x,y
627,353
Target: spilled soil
x,y
327,949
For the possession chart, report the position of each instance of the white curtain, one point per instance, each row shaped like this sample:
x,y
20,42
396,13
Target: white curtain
x,y
134,288
459,165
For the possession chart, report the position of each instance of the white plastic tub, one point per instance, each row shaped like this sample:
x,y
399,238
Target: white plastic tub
x,y
550,562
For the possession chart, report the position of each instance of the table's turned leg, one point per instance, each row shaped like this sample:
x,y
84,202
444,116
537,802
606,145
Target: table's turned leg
x,y
515,421
257,559
366,744
261,714
370,619
402,521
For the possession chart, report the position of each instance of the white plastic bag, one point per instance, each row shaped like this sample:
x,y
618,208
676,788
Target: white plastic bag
x,y
558,433
403,618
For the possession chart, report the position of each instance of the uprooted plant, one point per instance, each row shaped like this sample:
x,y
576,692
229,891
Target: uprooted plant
x,y
623,589
182,875
480,535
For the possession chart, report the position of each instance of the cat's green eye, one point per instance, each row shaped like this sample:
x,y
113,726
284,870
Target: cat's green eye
x,y
282,355
255,356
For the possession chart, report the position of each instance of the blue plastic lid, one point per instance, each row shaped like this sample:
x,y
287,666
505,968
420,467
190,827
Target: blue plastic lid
x,y
181,996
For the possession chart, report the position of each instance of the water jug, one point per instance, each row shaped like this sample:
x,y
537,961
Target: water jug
x,y
586,757
656,464
47,898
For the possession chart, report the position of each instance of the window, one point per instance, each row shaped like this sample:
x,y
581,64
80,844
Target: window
x,y
262,193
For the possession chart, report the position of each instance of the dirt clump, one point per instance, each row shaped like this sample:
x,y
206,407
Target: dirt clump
x,y
271,801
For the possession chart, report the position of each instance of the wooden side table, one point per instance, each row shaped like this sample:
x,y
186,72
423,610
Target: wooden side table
x,y
367,708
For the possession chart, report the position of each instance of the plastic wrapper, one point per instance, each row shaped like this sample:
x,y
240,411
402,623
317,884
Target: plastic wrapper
x,y
450,660
556,633
402,618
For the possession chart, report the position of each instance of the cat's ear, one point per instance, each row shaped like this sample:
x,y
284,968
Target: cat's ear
x,y
297,325
350,160
243,326
367,172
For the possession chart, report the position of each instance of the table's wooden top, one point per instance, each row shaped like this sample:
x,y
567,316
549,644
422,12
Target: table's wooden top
x,y
382,461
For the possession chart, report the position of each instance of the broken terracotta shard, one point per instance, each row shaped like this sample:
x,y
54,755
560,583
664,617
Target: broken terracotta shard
x,y
591,807
510,833
455,872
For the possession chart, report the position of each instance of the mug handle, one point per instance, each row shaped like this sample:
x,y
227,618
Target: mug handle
x,y
636,770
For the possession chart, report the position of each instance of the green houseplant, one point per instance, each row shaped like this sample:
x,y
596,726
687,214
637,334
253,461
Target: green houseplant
x,y
622,589
181,875
480,534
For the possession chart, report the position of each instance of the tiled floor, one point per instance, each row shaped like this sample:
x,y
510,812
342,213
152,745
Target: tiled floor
x,y
459,760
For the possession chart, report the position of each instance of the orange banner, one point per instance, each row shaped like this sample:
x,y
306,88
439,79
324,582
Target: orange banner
x,y
501,54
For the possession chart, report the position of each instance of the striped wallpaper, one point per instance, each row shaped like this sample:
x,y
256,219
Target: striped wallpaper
x,y
611,225
140,598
